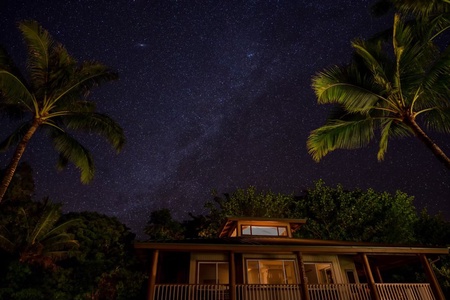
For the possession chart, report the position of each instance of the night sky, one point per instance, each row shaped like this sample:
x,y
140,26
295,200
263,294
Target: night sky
x,y
212,95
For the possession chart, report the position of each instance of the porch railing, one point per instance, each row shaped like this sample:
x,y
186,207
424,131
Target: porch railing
x,y
345,291
192,292
267,292
387,291
405,291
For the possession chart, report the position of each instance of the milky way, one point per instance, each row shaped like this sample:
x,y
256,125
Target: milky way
x,y
213,95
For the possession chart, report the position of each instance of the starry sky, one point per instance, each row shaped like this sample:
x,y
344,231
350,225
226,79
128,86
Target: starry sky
x,y
212,95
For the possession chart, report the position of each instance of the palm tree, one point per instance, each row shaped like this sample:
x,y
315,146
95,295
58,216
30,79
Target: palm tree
x,y
54,98
396,93
39,240
417,8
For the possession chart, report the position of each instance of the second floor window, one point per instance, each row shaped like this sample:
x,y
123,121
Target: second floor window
x,y
264,230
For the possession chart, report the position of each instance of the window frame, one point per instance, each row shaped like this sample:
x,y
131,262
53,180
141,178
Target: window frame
x,y
216,263
325,273
281,230
283,260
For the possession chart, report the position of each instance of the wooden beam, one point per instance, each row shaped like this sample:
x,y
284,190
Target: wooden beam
x,y
152,277
303,278
435,287
369,276
259,245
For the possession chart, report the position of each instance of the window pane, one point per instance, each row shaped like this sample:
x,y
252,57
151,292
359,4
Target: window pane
x,y
289,269
207,273
253,272
264,230
350,276
271,272
311,273
222,271
246,230
282,231
319,273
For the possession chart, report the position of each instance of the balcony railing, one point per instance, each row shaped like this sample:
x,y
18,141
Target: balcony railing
x,y
191,292
267,291
344,291
405,291
387,291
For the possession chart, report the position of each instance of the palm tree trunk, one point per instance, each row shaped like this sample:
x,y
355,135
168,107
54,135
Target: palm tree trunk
x,y
437,151
20,149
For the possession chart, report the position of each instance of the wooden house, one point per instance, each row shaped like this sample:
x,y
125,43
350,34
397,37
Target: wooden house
x,y
259,259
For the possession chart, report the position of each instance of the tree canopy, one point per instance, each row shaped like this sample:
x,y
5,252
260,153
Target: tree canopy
x,y
356,215
102,266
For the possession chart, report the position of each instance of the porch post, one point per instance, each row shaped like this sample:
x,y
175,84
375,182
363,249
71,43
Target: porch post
x,y
378,274
370,280
152,277
435,287
232,276
303,278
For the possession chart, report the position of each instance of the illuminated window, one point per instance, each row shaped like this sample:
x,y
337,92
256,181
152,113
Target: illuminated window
x,y
271,271
319,273
264,230
212,273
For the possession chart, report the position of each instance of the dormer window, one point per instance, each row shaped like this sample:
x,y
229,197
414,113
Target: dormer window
x,y
262,230
260,227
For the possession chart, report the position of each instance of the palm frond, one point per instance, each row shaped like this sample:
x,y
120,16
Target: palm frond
x,y
61,228
331,86
63,241
71,150
438,119
5,241
39,43
371,54
49,217
354,132
62,69
60,241
81,106
83,79
15,92
422,8
390,128
7,64
59,255
99,124
437,76
15,137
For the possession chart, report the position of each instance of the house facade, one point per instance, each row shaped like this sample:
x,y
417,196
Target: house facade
x,y
259,259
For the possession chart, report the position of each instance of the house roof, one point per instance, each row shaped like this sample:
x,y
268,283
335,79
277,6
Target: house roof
x,y
286,245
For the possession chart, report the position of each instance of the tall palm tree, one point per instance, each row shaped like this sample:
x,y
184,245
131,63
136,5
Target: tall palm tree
x,y
39,240
54,97
394,92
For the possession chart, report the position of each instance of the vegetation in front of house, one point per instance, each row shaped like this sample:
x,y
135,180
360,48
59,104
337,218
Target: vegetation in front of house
x,y
46,254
